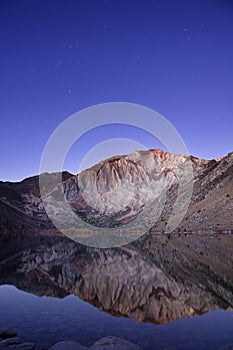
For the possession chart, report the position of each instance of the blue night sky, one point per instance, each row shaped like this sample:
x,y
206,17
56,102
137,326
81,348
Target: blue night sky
x,y
58,57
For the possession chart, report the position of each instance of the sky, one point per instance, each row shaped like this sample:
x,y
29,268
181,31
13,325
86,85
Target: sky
x,y
58,57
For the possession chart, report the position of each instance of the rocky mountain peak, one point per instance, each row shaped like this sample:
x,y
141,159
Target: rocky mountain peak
x,y
116,170
116,190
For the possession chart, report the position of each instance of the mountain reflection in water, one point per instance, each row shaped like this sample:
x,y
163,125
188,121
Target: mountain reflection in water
x,y
149,285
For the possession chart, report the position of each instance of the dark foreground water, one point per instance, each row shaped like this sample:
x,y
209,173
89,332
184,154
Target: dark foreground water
x,y
47,320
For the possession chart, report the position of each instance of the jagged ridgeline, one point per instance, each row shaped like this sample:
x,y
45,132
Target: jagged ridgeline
x,y
115,191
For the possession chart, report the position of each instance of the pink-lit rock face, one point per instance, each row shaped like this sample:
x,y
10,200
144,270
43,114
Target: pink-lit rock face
x,y
115,191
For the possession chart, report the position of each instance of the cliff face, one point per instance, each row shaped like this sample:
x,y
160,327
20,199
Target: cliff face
x,y
117,190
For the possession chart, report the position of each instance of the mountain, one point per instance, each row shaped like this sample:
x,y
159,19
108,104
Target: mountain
x,y
116,192
157,278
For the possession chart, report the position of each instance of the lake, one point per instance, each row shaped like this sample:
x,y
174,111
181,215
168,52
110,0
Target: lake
x,y
165,293
47,320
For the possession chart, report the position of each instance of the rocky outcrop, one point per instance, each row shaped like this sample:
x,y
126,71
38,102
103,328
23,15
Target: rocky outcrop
x,y
7,333
113,343
107,343
67,345
16,344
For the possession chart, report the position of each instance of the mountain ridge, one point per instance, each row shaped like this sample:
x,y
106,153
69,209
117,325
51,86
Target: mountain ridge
x,y
211,204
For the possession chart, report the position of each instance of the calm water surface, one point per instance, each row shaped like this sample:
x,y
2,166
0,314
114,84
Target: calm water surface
x,y
46,320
